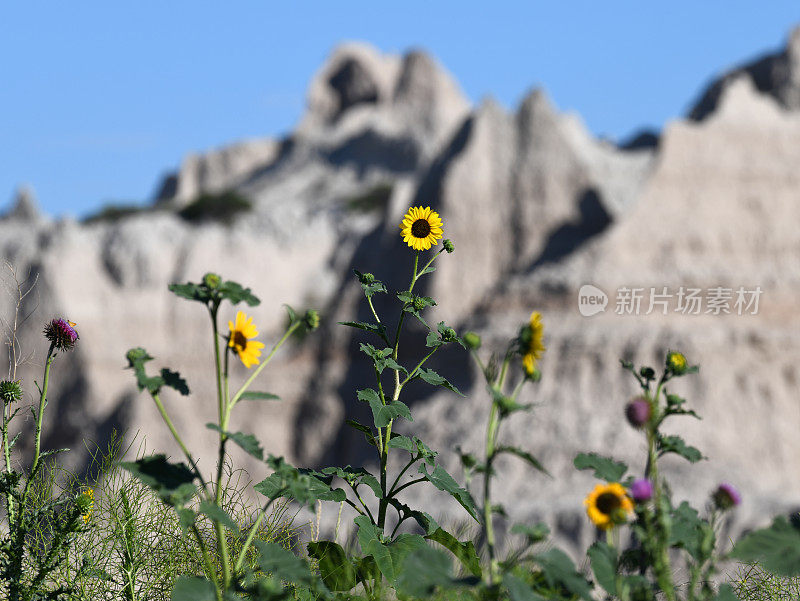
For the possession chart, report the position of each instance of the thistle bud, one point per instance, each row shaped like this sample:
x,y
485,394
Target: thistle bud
x,y
472,340
212,281
448,245
726,496
638,412
642,490
61,334
676,363
311,320
10,391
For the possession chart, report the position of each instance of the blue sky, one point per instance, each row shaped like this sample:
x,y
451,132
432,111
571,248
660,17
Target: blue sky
x,y
99,99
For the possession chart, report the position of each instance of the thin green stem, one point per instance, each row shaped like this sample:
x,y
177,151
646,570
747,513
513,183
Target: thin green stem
x,y
254,375
488,522
411,483
400,475
40,414
420,364
250,536
363,504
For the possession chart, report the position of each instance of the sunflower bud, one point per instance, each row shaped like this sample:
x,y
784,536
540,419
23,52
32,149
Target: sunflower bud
x,y
10,391
676,363
419,304
619,516
311,320
448,334
448,245
638,412
212,281
472,340
726,496
61,334
366,278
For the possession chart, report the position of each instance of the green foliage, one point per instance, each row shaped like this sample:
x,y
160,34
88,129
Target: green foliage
x,y
604,468
223,207
776,548
113,212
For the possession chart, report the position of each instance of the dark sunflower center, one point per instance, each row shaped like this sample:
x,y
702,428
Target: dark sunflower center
x,y
239,341
420,228
608,502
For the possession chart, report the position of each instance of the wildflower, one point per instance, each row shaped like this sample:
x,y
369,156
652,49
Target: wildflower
x,y
10,391
421,228
638,412
239,340
61,334
608,505
85,503
642,490
472,340
448,245
726,496
531,345
676,363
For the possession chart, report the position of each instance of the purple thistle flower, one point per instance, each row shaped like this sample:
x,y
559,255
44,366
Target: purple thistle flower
x,y
638,412
61,334
642,490
726,496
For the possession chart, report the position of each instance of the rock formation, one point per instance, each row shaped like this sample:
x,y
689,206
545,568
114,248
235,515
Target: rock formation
x,y
536,208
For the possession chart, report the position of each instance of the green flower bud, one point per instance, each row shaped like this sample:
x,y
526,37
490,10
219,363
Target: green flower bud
x,y
534,376
448,334
10,391
619,516
212,281
311,320
419,304
677,363
448,245
472,340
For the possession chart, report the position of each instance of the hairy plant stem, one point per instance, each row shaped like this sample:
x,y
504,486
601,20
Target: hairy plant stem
x,y
42,403
488,524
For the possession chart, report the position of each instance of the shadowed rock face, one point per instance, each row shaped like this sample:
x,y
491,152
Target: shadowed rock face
x,y
536,208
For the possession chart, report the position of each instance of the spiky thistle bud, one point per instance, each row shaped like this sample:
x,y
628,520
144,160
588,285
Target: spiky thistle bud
x,y
10,391
61,334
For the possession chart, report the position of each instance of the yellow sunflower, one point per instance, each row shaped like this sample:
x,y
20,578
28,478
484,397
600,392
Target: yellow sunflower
x,y
607,505
421,228
532,343
240,340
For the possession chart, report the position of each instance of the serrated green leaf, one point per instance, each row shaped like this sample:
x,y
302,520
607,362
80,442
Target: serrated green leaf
x,y
675,444
686,529
604,566
235,293
193,588
525,456
378,329
604,468
446,483
174,380
422,572
336,570
173,482
291,483
431,377
362,428
776,548
274,559
356,476
248,442
518,590
259,396
464,551
558,569
384,414
218,514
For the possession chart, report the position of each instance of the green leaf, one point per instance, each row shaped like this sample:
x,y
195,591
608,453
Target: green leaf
x,y
422,572
366,430
686,530
259,396
218,514
274,559
378,329
431,377
604,566
382,358
355,477
193,588
173,482
535,534
383,414
369,284
248,442
604,468
464,551
776,548
524,456
137,357
558,568
236,294
518,590
445,482
675,444
174,380
189,291
336,570
291,483
433,340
